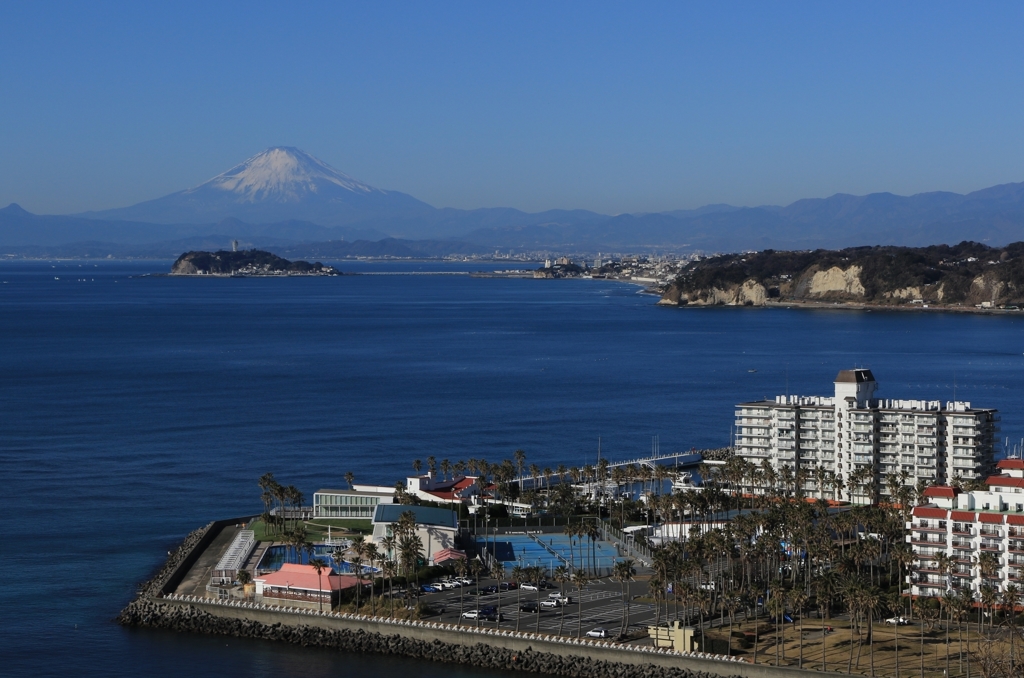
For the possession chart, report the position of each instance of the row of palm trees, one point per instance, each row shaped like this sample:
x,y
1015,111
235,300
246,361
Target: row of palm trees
x,y
273,492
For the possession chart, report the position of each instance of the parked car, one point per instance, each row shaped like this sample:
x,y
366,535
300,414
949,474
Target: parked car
x,y
470,614
550,602
489,589
897,621
431,610
466,581
528,587
430,588
599,632
509,586
528,606
448,585
493,617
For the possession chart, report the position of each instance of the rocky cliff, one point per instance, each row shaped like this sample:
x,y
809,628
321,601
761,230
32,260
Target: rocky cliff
x,y
245,263
965,275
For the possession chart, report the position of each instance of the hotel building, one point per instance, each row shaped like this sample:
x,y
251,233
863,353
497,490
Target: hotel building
x,y
930,440
966,525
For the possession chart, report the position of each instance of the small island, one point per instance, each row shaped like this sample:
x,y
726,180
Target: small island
x,y
246,263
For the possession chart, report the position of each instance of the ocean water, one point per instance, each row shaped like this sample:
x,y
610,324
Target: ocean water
x,y
135,408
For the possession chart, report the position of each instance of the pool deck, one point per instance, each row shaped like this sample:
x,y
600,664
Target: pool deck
x,y
195,581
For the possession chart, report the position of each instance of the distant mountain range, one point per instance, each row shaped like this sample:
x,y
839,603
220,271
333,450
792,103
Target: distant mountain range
x,y
284,197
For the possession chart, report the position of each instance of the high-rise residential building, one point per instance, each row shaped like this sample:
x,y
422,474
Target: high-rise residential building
x,y
860,440
981,533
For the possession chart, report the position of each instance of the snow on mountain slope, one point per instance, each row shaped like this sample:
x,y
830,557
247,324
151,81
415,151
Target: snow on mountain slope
x,y
280,184
282,174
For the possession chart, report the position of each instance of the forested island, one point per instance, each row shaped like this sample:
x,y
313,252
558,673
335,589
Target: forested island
x,y
969,275
248,263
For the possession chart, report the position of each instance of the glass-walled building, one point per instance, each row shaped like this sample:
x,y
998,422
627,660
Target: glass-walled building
x,y
359,502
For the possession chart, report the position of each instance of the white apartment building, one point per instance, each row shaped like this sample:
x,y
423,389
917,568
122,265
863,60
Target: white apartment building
x,y
930,440
965,525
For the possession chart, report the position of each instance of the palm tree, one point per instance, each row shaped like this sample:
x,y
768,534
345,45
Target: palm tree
x,y
927,614
372,555
989,594
319,566
518,575
461,567
777,606
562,577
852,598
580,579
355,561
623,572
798,599
388,570
498,570
871,602
1011,597
537,576
243,577
894,601
350,478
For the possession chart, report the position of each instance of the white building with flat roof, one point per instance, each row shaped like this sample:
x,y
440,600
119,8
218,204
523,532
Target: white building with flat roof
x,y
928,439
360,502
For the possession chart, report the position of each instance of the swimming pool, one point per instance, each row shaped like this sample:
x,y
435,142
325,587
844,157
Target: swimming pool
x,y
278,555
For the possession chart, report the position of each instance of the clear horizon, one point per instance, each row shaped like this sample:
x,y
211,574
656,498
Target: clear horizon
x,y
605,107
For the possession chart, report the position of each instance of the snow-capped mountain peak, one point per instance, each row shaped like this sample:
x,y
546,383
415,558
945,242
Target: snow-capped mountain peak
x,y
282,174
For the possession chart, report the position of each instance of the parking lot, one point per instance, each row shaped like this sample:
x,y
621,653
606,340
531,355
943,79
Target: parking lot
x,y
600,603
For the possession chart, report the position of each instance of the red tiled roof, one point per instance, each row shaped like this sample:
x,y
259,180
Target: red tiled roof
x,y
1004,481
963,515
293,575
445,555
1015,520
929,512
446,496
1016,464
990,518
940,491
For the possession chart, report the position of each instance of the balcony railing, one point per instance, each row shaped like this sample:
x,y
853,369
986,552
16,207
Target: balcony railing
x,y
921,538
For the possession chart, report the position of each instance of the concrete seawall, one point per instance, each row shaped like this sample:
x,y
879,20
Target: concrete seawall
x,y
485,647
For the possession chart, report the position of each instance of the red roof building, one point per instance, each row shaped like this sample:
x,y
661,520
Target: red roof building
x,y
297,585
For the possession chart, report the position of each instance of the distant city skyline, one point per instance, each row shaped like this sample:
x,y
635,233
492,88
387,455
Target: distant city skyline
x,y
604,107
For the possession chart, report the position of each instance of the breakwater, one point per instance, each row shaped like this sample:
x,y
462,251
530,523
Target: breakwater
x,y
193,619
158,607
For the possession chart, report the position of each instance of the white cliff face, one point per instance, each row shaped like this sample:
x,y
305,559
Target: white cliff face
x,y
836,279
282,174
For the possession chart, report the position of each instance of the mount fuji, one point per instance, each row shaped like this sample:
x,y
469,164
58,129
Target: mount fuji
x,y
279,184
284,196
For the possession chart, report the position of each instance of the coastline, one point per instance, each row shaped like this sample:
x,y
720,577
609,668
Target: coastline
x,y
851,306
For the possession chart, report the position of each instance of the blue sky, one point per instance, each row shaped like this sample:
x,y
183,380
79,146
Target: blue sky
x,y
612,107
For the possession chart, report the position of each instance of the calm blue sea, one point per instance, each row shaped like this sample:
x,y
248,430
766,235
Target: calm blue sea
x,y
135,408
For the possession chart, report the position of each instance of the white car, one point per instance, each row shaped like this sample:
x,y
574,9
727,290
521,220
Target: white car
x,y
448,585
896,621
466,581
528,587
597,633
550,602
470,614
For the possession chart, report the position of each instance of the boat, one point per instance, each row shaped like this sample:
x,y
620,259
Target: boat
x,y
684,482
